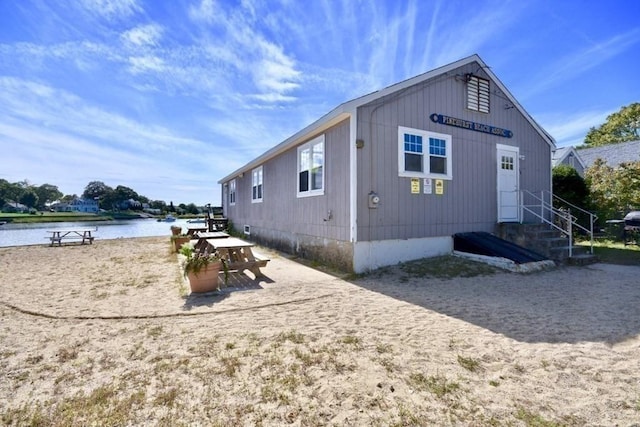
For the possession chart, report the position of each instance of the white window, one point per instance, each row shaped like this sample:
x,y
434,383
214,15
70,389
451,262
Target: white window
x,y
477,94
424,154
232,192
311,168
256,185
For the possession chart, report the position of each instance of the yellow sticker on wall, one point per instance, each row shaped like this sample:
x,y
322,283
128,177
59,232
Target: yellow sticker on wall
x,y
415,185
439,186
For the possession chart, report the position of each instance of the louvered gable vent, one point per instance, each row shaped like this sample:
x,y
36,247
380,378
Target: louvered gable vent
x,y
478,94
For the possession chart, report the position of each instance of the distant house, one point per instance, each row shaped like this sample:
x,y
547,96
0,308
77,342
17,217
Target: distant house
x,y
83,205
568,156
613,154
14,207
392,175
129,204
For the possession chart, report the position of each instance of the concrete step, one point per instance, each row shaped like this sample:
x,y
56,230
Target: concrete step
x,y
583,259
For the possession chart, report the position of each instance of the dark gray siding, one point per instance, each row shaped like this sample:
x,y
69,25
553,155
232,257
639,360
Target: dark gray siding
x,y
297,225
469,202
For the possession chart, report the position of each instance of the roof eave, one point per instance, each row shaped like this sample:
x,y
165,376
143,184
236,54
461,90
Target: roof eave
x,y
348,108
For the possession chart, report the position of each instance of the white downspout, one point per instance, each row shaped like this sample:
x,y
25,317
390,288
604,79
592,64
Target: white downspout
x,y
353,178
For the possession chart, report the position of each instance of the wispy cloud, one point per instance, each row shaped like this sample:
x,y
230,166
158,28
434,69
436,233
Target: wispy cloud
x,y
571,129
272,70
41,123
143,35
580,61
113,9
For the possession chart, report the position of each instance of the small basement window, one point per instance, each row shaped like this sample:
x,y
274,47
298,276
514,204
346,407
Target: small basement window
x,y
423,154
477,94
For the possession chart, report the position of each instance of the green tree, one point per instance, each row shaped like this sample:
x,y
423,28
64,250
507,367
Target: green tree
x,y
29,198
614,192
122,193
192,209
96,190
47,193
570,186
158,204
622,126
13,192
4,188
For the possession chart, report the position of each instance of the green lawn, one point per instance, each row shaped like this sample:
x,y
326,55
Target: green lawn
x,y
52,217
614,252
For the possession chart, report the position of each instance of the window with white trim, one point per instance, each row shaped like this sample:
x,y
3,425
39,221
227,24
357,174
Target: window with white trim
x,y
424,154
311,168
478,94
232,192
256,185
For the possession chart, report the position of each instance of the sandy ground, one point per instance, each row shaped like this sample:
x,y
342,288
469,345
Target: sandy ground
x,y
109,334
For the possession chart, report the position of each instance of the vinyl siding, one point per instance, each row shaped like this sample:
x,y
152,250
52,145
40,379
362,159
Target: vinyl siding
x,y
282,215
469,202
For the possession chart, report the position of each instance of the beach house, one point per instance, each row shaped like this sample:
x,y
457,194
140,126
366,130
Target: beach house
x,y
392,175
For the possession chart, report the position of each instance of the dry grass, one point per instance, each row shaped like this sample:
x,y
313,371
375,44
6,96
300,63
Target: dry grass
x,y
333,353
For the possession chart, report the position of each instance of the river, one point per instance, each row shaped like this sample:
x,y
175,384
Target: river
x,y
36,234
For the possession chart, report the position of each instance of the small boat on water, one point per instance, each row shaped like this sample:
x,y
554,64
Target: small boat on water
x,y
197,221
168,218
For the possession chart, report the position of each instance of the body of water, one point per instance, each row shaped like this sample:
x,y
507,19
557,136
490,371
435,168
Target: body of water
x,y
36,234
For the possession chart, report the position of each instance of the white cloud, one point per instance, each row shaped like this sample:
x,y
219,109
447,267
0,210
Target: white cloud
x,y
580,61
571,129
243,47
144,35
143,64
113,9
206,11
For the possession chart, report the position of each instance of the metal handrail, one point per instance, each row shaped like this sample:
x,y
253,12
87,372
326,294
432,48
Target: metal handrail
x,y
592,218
548,213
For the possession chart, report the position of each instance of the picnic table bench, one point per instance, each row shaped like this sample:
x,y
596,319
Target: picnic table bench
x,y
195,229
82,235
237,254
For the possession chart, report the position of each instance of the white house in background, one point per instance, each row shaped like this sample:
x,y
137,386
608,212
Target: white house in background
x,y
393,175
568,156
83,205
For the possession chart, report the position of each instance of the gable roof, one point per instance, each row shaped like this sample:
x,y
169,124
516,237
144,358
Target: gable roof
x,y
346,109
560,154
613,154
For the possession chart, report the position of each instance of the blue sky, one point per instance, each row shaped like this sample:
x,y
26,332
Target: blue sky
x,y
166,97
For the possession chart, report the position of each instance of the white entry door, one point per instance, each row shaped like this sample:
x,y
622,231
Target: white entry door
x,y
508,183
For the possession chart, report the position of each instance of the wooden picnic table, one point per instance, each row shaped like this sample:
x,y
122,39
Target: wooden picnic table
x,y
58,235
203,236
238,254
194,229
217,224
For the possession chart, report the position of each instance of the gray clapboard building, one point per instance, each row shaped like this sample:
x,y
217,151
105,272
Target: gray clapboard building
x,y
392,175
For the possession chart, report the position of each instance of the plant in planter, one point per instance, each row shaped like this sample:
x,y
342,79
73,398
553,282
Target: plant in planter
x,y
202,269
178,240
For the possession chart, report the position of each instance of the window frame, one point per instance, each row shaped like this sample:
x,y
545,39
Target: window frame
x,y
478,94
257,180
232,192
426,156
309,145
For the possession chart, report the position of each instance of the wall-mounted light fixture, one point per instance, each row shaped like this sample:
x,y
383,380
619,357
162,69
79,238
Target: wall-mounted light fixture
x,y
374,200
359,143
